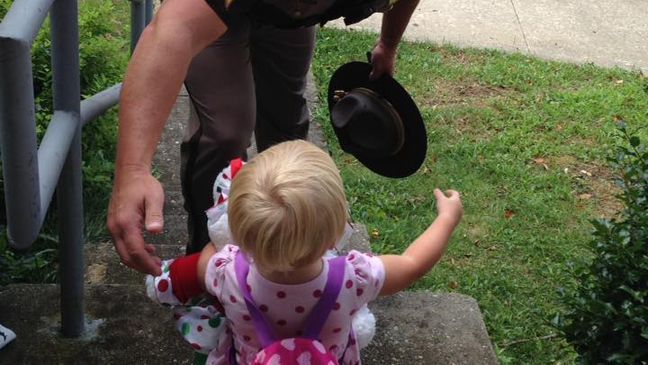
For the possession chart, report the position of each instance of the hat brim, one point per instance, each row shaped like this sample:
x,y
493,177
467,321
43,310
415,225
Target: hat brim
x,y
414,150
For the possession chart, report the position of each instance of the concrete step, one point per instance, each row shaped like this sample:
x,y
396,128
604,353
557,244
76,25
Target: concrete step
x,y
174,232
166,162
125,327
173,202
103,266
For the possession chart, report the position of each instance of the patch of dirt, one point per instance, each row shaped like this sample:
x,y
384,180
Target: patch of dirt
x,y
471,127
459,57
448,94
467,261
476,232
593,184
96,274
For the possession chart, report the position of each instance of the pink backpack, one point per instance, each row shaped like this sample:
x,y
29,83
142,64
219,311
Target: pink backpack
x,y
305,350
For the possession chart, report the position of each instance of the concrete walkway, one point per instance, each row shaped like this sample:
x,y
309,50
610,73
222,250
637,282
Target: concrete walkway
x,y
605,32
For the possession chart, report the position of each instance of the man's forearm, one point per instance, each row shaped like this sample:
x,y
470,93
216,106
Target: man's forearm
x,y
150,88
180,30
395,21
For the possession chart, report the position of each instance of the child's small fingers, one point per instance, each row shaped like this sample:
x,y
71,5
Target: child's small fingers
x,y
438,194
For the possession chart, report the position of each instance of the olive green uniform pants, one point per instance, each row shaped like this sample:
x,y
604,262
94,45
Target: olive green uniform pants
x,y
252,79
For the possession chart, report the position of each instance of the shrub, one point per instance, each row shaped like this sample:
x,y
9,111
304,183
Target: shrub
x,y
104,51
608,317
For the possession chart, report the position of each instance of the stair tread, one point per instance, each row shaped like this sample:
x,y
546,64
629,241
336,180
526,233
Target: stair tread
x,y
103,265
412,328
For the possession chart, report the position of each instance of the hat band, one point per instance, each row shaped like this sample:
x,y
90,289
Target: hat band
x,y
384,102
362,137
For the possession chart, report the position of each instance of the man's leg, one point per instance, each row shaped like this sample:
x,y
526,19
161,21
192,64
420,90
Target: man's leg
x,y
221,87
280,62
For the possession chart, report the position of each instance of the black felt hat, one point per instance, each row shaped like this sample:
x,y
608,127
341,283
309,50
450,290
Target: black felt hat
x,y
376,121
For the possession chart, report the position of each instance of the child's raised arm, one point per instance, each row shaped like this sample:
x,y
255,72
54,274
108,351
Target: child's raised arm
x,y
402,270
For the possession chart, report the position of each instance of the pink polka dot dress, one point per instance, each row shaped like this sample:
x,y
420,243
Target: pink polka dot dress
x,y
287,306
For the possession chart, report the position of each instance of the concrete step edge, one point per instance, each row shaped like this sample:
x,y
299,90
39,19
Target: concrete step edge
x,y
104,267
412,328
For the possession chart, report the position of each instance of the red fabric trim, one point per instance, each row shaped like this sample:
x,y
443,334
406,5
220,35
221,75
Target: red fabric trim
x,y
184,277
236,165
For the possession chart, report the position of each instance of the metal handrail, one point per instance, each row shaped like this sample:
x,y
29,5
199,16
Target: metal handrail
x,y
33,173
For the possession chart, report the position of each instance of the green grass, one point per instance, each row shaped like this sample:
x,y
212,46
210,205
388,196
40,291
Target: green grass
x,y
519,138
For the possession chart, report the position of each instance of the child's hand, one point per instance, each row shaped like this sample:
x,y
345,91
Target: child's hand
x,y
402,270
449,205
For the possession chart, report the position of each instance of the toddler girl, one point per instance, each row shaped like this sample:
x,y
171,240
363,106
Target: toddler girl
x,y
287,208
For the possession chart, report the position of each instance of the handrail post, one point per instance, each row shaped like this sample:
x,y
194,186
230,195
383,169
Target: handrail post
x,y
67,94
138,21
149,12
18,141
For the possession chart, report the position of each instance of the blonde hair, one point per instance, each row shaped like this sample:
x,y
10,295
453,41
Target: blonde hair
x,y
287,206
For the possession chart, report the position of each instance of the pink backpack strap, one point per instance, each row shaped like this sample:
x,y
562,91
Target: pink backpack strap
x,y
315,320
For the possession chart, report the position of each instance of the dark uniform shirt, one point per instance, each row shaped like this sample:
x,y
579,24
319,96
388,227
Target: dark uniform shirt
x,y
294,13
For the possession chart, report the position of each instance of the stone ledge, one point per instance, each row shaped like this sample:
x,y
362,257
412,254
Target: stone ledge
x,y
429,328
103,266
413,328
133,331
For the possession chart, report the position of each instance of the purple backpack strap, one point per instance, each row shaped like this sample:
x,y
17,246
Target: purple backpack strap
x,y
315,320
265,332
318,316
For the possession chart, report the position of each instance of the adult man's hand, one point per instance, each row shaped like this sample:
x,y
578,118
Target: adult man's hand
x,y
137,200
383,60
394,22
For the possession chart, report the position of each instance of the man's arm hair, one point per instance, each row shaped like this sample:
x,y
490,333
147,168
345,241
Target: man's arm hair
x,y
395,22
181,29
